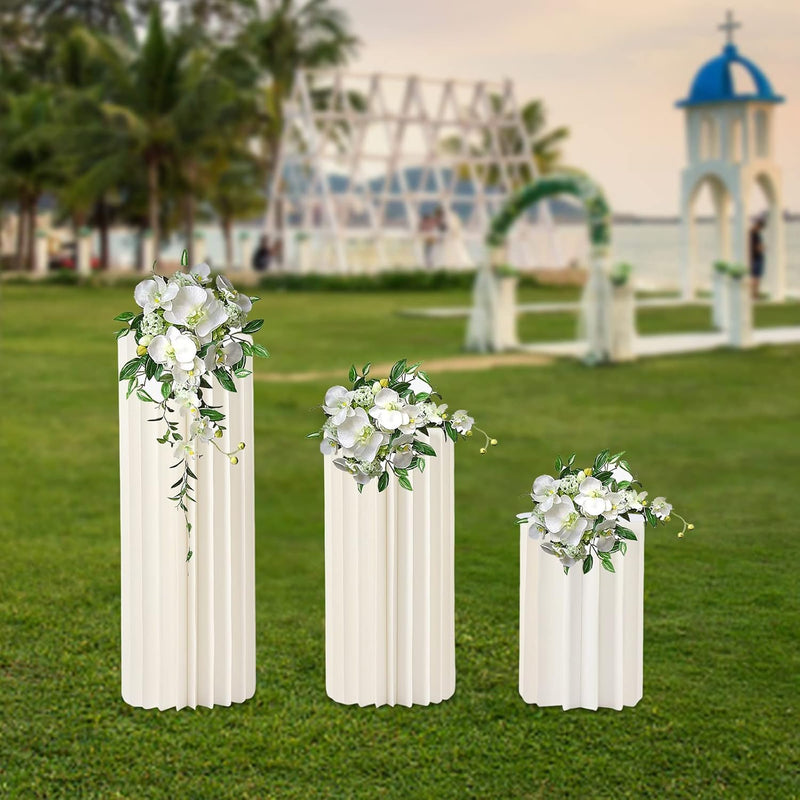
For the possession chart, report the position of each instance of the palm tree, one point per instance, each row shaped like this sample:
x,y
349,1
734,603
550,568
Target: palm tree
x,y
312,35
27,163
545,145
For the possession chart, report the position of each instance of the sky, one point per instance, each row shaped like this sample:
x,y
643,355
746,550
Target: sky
x,y
611,71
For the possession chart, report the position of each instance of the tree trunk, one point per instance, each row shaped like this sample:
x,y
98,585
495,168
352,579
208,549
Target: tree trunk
x,y
102,225
153,203
227,230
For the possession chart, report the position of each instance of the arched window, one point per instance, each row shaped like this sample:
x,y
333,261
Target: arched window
x,y
709,139
735,145
761,133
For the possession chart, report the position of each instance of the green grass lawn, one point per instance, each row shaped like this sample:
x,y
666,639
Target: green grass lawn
x,y
717,433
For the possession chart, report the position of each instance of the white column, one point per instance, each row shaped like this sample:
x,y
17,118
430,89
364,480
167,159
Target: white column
x,y
720,306
622,321
199,247
581,635
389,586
83,254
40,254
776,252
148,253
596,309
245,250
188,629
505,314
740,312
688,240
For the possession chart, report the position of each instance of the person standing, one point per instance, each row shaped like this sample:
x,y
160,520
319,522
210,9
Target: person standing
x,y
756,256
262,255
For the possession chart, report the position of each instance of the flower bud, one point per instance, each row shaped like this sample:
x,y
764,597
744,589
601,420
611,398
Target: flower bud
x,y
217,434
690,526
587,471
468,433
240,445
141,350
384,382
145,340
493,442
483,450
667,519
234,460
680,535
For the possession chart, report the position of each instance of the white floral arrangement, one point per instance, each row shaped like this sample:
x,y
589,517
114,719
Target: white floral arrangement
x,y
188,332
375,427
582,515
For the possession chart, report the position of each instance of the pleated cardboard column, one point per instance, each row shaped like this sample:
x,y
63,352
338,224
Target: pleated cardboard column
x,y
389,586
188,629
581,635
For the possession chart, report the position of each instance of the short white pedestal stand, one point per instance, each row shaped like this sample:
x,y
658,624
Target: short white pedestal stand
x,y
623,323
740,313
719,300
83,252
41,264
581,635
188,629
492,325
389,586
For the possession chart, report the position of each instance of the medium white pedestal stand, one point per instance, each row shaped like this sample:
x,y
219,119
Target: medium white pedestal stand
x,y
740,313
719,300
188,628
389,586
581,635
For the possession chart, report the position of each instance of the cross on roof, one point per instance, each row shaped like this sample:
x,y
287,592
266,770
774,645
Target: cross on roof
x,y
729,26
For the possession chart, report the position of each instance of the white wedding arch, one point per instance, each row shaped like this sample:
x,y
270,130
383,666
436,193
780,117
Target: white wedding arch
x,y
361,164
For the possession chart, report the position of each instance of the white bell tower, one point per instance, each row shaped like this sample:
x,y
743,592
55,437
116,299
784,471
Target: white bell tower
x,y
730,147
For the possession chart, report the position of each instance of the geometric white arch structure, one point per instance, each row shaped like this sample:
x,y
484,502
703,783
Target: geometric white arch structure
x,y
730,148
361,161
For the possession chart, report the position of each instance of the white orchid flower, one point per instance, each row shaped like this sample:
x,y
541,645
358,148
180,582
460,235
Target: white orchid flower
x,y
358,437
328,447
545,492
198,309
232,296
635,499
592,497
416,418
534,523
564,522
572,556
173,348
223,355
154,293
403,452
618,473
188,376
183,449
605,538
201,271
388,410
203,429
462,421
617,503
187,400
435,414
416,384
338,404
661,508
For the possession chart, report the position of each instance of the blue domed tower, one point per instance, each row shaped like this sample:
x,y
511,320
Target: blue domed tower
x,y
730,146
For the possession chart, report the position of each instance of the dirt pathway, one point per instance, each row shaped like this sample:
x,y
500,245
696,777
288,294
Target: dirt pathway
x,y
466,363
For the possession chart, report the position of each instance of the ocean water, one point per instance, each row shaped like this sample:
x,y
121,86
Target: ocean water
x,y
654,250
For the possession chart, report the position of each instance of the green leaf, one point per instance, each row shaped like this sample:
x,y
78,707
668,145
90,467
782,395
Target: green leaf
x,y
588,563
189,555
424,448
225,380
185,263
242,373
149,367
130,368
143,396
623,547
421,464
404,482
383,481
125,316
397,370
247,348
626,533
451,431
365,369
212,414
121,332
353,374
260,351
605,558
166,390
559,464
253,326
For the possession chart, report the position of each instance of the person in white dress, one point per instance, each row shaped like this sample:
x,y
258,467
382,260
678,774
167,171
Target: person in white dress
x,y
451,251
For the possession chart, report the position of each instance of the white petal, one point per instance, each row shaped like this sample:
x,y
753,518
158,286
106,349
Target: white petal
x,y
144,291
